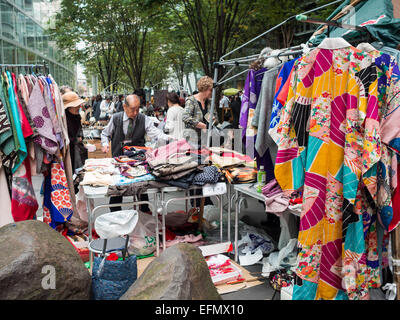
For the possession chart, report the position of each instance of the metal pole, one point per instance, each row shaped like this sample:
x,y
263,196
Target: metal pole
x,y
214,96
277,26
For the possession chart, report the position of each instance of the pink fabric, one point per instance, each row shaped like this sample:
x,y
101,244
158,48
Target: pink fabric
x,y
23,201
185,239
162,154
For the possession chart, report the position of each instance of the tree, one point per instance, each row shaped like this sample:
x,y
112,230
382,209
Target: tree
x,y
213,26
115,38
78,31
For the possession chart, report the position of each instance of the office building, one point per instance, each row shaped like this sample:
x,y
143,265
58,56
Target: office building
x,y
23,38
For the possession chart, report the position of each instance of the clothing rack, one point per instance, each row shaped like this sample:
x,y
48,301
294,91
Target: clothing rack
x,y
332,23
281,54
31,66
237,62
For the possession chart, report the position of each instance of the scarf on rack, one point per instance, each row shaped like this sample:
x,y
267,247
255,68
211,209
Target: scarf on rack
x,y
39,112
6,134
52,111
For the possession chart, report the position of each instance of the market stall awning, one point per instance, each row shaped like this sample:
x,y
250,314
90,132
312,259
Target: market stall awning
x,y
380,17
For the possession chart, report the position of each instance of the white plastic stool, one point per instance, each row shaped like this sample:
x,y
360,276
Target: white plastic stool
x,y
114,229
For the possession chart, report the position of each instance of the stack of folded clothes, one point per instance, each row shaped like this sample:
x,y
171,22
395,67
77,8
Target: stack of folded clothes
x,y
99,172
174,164
177,164
113,172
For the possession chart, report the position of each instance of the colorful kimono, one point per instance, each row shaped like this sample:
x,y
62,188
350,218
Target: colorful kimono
x,y
281,93
328,143
57,206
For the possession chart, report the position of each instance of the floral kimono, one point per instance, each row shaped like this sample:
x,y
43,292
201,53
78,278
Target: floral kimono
x,y
328,144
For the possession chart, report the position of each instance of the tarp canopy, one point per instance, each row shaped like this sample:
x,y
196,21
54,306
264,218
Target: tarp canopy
x,y
380,17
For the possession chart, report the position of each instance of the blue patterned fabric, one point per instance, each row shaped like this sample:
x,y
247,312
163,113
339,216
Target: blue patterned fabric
x,y
210,174
111,280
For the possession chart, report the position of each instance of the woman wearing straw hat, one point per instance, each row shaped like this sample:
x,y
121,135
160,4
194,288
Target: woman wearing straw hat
x,y
72,105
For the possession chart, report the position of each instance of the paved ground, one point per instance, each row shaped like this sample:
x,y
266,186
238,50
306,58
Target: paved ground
x,y
253,215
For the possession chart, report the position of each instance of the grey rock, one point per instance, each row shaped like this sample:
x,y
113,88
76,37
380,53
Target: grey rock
x,y
26,248
179,273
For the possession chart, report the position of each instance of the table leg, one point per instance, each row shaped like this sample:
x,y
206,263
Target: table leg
x,y
90,230
237,208
156,212
201,213
229,210
221,229
164,213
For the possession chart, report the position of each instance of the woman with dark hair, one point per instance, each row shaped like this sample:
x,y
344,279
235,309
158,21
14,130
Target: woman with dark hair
x,y
174,123
72,105
96,107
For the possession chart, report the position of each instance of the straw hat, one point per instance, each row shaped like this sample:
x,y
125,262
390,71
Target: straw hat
x,y
71,99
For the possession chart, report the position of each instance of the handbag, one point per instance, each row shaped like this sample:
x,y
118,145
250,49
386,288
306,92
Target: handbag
x,y
111,279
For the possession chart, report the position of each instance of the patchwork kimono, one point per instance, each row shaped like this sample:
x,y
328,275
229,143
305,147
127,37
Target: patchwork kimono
x,y
328,147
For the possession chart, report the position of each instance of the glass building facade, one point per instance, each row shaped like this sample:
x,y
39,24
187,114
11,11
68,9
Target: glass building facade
x,y
23,39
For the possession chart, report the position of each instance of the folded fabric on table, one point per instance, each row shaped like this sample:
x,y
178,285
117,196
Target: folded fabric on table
x,y
121,180
166,153
136,154
176,165
210,174
135,188
225,161
275,199
277,203
241,175
97,179
271,188
134,148
92,164
184,183
180,174
128,161
133,172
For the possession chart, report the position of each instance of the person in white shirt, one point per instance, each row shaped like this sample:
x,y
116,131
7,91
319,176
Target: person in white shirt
x,y
111,109
174,125
223,103
105,108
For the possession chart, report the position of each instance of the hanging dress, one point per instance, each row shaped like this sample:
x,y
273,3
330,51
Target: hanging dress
x,y
329,141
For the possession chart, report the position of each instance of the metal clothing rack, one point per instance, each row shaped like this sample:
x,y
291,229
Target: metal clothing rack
x,y
333,23
239,62
33,67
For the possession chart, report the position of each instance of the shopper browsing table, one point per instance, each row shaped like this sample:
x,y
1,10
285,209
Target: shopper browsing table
x,y
128,128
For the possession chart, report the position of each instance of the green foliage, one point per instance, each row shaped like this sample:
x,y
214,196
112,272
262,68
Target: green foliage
x,y
143,41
